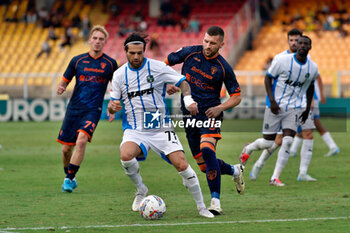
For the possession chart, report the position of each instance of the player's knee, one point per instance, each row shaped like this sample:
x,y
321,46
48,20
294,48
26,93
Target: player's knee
x,y
207,147
287,141
202,167
308,134
67,150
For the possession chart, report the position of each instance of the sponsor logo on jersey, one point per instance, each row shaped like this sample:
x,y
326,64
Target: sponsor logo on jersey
x,y
133,94
199,71
93,70
197,59
95,79
294,84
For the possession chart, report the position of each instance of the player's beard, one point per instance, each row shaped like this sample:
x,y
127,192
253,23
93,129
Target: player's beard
x,y
136,63
210,53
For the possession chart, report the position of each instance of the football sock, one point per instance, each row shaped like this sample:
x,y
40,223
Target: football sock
x,y
65,170
213,168
283,155
266,154
190,181
258,144
305,155
72,170
132,170
226,169
215,202
295,145
327,138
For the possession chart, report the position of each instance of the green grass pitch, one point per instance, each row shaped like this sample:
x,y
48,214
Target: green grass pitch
x,y
31,175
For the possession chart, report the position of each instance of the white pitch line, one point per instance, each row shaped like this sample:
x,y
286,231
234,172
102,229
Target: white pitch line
x,y
171,224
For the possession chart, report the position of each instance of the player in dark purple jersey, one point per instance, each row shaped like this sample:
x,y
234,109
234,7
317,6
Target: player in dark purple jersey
x,y
92,71
206,71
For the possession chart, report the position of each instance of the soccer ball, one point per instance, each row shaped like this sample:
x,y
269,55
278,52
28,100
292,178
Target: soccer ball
x,y
152,207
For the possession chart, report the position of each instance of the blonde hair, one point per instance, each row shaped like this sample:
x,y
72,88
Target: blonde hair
x,y
100,29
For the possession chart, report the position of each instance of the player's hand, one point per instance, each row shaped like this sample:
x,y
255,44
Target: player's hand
x,y
114,106
303,117
274,107
213,112
171,89
111,116
60,89
193,108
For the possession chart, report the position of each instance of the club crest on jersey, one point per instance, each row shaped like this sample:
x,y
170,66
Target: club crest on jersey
x,y
307,75
267,126
150,79
103,65
213,70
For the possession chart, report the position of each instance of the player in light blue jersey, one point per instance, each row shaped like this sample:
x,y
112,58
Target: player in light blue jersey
x,y
141,85
293,75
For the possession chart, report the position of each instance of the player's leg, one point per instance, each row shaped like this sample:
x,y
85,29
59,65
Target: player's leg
x,y
190,180
282,157
259,164
327,138
306,155
129,150
296,143
67,151
77,156
271,126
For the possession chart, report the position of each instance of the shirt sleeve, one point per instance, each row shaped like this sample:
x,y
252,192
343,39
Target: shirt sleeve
x,y
231,83
275,67
115,92
71,71
170,76
177,57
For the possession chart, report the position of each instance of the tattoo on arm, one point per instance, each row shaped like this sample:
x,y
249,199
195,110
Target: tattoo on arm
x,y
185,88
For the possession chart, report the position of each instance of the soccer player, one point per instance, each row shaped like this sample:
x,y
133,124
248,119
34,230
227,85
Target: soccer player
x,y
93,71
296,75
292,39
206,71
141,85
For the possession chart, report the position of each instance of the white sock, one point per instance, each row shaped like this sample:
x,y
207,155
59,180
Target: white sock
x,y
259,144
327,138
190,181
265,155
215,202
296,143
305,155
132,170
283,155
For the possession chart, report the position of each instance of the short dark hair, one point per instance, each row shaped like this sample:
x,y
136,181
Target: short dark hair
x,y
294,32
136,37
215,31
303,36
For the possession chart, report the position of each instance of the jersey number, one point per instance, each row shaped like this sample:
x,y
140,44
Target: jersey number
x,y
93,125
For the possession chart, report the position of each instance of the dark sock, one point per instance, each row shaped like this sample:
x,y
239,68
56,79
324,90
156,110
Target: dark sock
x,y
213,171
65,170
225,168
72,170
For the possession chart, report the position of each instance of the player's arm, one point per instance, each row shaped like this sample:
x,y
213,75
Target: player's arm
x,y
190,104
233,101
268,87
61,87
309,96
320,86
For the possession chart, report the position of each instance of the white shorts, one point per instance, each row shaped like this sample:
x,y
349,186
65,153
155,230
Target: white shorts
x,y
283,120
161,142
316,112
309,123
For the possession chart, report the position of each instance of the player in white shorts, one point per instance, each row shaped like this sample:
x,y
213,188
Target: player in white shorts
x,y
293,36
141,85
293,75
